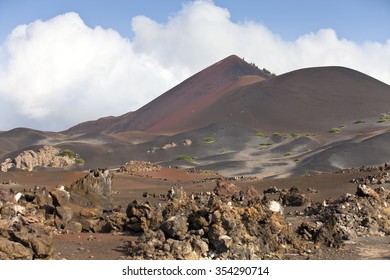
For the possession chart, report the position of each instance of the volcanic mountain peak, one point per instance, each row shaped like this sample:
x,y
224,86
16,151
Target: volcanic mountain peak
x,y
191,96
234,91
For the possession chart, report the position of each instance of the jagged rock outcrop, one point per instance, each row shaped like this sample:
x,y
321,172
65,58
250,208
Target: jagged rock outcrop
x,y
226,224
47,156
81,206
365,213
29,219
135,167
293,197
25,229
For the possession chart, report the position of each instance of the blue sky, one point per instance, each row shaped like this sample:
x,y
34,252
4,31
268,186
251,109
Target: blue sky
x,y
358,20
118,55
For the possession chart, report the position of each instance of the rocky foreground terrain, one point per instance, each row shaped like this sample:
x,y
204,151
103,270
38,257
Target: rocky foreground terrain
x,y
217,218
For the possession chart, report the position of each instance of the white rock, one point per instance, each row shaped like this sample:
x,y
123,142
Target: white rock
x,y
275,206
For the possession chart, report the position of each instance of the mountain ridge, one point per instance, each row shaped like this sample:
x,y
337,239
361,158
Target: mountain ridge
x,y
260,124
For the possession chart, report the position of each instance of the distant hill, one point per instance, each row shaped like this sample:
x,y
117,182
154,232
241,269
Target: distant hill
x,y
312,99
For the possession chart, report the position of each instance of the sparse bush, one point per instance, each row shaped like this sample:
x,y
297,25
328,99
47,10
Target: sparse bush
x,y
359,122
294,135
287,154
79,161
297,160
185,158
261,135
276,134
383,118
343,126
208,139
67,152
335,130
266,144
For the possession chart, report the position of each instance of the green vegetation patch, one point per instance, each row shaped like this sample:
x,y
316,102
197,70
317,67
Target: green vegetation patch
x,y
208,140
266,144
79,161
294,135
383,118
288,154
335,130
261,135
359,122
67,152
185,158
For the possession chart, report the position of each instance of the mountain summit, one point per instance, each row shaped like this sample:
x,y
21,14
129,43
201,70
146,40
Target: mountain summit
x,y
172,111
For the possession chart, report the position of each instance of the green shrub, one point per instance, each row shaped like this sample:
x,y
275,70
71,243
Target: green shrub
x,y
335,130
383,118
266,144
287,154
276,134
359,122
67,152
261,135
185,158
294,135
79,161
208,139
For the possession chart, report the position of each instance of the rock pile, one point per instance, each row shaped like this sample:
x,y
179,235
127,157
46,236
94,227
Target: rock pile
x,y
379,179
365,213
80,207
225,224
371,168
135,167
291,197
47,156
25,233
28,220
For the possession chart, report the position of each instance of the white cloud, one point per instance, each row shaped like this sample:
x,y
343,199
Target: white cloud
x,y
60,72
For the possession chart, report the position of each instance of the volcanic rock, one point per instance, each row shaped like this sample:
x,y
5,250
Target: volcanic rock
x,y
348,217
10,250
94,190
175,227
84,202
294,197
220,227
364,191
47,156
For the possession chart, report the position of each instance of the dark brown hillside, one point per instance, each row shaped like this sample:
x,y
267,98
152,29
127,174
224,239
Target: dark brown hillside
x,y
96,126
312,99
19,138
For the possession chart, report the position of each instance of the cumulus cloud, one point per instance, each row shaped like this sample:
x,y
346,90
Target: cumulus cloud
x,y
60,72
